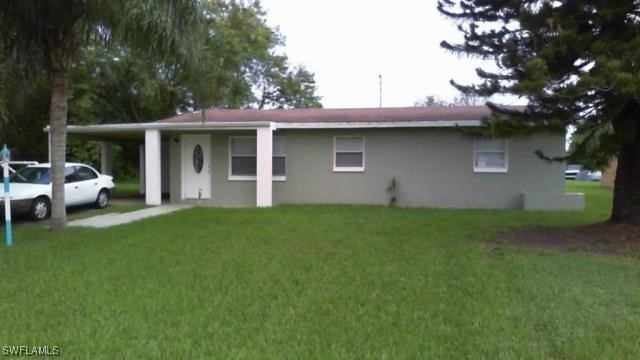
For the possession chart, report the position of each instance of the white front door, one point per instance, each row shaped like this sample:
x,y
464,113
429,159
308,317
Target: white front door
x,y
196,166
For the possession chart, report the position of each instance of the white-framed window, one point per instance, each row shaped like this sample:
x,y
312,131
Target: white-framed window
x,y
243,158
279,163
490,155
348,153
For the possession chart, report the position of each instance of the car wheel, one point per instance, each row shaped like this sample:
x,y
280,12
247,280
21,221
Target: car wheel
x,y
102,201
40,208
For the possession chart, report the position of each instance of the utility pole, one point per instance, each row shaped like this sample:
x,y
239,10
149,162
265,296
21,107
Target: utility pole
x,y
380,88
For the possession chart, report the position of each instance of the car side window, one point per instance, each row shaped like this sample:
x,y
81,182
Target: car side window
x,y
84,173
70,175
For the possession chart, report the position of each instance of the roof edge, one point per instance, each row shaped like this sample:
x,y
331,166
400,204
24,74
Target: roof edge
x,y
378,124
164,126
114,128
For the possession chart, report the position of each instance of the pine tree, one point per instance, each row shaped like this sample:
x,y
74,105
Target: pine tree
x,y
576,62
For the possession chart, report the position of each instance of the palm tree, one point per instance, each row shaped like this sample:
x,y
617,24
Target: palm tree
x,y
53,33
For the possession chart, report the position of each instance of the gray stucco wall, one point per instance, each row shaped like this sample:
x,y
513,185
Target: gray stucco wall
x,y
433,168
165,167
175,165
227,192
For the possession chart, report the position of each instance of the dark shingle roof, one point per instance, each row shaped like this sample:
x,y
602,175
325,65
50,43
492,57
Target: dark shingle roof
x,y
406,114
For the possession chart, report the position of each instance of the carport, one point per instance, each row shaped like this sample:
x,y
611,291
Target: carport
x,y
156,146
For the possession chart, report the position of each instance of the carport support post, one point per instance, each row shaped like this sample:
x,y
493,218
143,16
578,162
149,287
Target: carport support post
x,y
49,144
141,169
153,175
264,151
106,158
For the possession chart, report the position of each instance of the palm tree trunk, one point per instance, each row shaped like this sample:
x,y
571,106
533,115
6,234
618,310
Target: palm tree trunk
x,y
58,123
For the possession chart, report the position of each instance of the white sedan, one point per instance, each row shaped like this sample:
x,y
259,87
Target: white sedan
x,y
30,189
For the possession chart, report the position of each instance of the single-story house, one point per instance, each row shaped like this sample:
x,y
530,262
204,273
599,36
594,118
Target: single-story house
x,y
262,158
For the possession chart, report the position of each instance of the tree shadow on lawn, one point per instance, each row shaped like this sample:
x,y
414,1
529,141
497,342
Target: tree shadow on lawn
x,y
599,238
77,212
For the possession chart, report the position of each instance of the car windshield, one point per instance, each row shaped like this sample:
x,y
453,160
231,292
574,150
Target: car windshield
x,y
574,167
32,175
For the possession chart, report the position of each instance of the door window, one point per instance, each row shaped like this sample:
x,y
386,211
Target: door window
x,y
198,158
84,173
70,174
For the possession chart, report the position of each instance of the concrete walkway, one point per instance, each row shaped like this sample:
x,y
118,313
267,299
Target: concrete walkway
x,y
114,219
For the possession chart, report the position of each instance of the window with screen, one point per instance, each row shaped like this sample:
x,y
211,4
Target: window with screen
x,y
243,156
490,155
348,153
279,157
243,159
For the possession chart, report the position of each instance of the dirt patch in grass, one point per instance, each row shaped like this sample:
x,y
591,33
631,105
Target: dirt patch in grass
x,y
602,238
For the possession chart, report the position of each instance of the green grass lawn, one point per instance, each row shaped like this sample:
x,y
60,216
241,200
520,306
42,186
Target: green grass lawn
x,y
21,221
127,189
319,282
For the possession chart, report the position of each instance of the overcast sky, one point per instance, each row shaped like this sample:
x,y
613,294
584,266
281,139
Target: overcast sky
x,y
347,43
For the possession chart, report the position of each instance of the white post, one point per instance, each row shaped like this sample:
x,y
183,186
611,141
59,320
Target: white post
x,y
49,143
153,174
106,158
5,154
141,169
264,151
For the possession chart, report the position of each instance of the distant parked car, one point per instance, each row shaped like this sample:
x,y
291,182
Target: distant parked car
x,y
31,189
572,171
587,175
